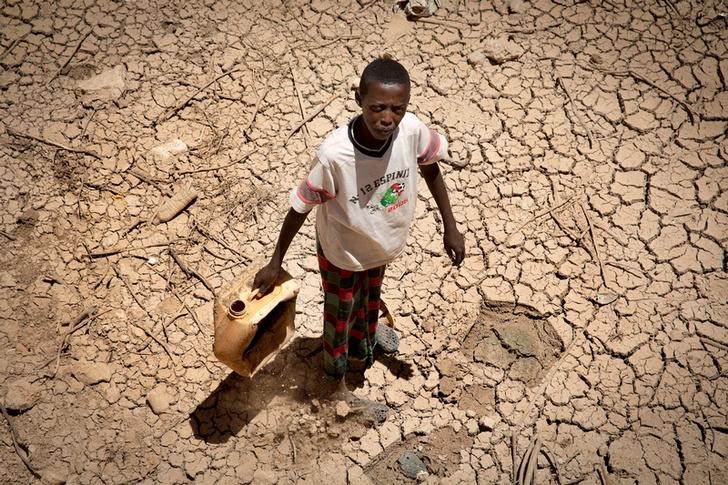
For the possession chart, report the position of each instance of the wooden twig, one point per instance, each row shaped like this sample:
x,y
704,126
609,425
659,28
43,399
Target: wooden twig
x,y
16,444
166,324
711,341
300,105
81,320
192,313
211,169
9,236
218,240
542,213
576,112
532,463
311,116
603,475
293,448
444,23
514,455
625,268
260,100
594,243
171,112
522,467
134,296
217,255
334,41
125,249
692,112
189,271
53,143
552,461
13,45
73,54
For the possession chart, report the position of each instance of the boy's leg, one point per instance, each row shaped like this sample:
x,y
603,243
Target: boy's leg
x,y
338,306
347,312
363,334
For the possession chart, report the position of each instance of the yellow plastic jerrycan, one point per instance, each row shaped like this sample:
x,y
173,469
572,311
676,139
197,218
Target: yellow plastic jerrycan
x,y
250,332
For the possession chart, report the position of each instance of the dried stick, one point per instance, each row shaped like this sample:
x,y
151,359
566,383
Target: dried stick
x,y
514,455
189,271
625,268
300,105
77,323
542,213
576,112
444,23
603,475
73,54
217,255
594,243
266,90
524,461
212,169
139,303
13,45
125,249
709,341
311,116
164,329
171,112
552,461
192,313
334,41
53,143
9,236
222,243
692,112
532,462
16,444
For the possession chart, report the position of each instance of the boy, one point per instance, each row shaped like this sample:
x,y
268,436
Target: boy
x,y
364,185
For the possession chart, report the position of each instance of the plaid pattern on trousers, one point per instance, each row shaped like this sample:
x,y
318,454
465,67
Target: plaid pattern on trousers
x,y
351,312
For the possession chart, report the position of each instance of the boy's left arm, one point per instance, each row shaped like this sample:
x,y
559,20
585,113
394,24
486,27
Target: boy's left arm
x,y
454,241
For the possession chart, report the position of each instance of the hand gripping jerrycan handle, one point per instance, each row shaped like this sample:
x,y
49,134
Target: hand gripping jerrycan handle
x,y
250,332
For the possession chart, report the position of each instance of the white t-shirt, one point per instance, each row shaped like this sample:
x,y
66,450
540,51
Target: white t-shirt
x,y
366,199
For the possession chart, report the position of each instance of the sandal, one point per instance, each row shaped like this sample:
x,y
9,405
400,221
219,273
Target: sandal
x,y
387,338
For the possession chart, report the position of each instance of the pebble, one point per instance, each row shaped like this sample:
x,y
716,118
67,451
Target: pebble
x,y
90,373
159,400
21,395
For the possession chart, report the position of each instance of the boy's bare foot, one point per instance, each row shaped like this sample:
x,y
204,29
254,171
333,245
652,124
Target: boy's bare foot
x,y
349,404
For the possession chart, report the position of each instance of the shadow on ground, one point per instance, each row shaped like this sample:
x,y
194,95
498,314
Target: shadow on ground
x,y
294,376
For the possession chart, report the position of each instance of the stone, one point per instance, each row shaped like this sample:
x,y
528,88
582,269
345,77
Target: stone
x,y
412,466
500,50
108,85
90,373
169,149
342,409
487,423
21,395
159,400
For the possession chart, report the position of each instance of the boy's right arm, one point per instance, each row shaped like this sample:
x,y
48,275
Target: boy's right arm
x,y
268,274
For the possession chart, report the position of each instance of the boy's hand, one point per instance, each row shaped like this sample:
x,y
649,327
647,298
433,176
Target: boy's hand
x,y
455,246
265,278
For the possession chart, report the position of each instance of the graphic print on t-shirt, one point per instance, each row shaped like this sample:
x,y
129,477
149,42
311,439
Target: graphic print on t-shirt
x,y
390,199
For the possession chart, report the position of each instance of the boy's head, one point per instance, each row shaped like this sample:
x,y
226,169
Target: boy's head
x,y
383,95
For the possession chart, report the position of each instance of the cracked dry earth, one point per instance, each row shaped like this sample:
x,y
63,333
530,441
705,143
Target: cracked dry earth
x,y
590,311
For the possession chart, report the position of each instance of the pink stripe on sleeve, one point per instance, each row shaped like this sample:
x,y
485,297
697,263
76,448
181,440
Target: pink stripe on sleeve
x,y
433,145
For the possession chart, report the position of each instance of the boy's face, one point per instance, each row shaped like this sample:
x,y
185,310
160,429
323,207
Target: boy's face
x,y
383,107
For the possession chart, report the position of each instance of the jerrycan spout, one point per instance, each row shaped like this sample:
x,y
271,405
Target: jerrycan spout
x,y
250,331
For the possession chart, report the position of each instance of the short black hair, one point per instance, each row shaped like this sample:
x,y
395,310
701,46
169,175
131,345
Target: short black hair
x,y
385,70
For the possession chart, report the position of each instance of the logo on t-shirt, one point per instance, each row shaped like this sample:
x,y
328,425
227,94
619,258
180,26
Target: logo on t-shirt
x,y
392,194
391,199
